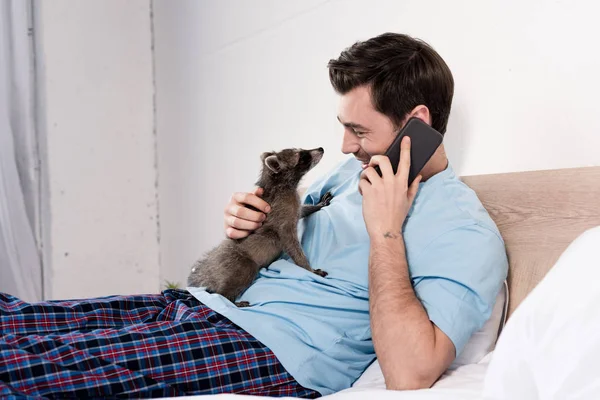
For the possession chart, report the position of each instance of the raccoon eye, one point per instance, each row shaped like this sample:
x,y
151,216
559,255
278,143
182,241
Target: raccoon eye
x,y
305,157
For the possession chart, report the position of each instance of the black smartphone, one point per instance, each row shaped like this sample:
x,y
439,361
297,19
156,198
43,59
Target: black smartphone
x,y
424,141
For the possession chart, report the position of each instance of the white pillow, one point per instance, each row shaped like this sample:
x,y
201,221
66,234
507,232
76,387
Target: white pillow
x,y
480,344
484,340
550,347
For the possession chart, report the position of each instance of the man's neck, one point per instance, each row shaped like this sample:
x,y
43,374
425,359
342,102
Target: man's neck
x,y
436,164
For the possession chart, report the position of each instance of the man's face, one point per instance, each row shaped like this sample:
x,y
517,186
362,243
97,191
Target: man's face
x,y
367,132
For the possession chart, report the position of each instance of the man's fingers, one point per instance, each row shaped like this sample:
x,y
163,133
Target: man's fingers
x,y
251,199
239,219
242,224
404,163
239,211
384,165
370,175
414,188
236,234
363,186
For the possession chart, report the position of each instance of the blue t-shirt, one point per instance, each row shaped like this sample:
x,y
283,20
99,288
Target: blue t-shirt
x,y
319,327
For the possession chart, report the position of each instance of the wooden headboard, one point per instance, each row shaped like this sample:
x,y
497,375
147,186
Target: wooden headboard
x,y
539,214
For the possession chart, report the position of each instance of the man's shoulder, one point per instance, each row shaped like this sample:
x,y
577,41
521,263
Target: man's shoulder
x,y
452,232
447,207
468,203
459,204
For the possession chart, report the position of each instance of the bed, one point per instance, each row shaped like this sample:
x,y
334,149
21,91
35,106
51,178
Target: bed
x,y
539,213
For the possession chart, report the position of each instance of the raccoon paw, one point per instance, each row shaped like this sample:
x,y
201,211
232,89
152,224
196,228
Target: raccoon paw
x,y
326,199
320,272
241,304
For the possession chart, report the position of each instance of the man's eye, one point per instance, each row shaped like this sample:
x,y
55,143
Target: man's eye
x,y
359,134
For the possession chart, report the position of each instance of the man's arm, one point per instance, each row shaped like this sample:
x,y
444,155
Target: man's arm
x,y
413,353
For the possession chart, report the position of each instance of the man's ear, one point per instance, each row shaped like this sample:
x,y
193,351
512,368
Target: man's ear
x,y
273,163
422,112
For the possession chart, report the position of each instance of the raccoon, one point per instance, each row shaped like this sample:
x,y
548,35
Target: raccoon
x,y
232,266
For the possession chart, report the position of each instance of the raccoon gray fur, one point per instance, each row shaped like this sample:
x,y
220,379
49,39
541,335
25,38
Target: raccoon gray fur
x,y
232,266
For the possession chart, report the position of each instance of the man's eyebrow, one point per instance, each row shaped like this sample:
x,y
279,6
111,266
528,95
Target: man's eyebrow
x,y
353,125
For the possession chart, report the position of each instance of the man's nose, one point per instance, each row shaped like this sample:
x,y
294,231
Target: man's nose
x,y
349,143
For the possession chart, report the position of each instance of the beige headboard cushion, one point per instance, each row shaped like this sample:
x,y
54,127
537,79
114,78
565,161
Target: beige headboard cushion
x,y
539,214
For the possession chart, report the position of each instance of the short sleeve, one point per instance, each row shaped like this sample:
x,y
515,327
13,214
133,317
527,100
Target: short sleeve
x,y
457,277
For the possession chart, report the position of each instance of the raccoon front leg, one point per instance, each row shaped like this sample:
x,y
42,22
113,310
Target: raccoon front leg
x,y
292,247
306,209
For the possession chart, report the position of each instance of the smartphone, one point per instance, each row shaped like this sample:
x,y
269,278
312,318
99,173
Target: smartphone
x,y
424,141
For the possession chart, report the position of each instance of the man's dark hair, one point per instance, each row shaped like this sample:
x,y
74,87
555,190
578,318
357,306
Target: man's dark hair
x,y
402,72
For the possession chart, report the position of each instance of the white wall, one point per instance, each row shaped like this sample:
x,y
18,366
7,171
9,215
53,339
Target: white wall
x,y
94,61
236,78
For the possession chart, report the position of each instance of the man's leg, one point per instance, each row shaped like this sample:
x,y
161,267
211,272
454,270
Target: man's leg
x,y
55,316
163,346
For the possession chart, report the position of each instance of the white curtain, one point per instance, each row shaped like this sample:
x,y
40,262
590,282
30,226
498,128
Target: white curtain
x,y
20,264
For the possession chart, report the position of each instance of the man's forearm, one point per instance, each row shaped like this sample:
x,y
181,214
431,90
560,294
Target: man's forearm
x,y
403,335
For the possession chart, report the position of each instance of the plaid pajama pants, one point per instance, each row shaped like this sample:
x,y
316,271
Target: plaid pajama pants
x,y
137,346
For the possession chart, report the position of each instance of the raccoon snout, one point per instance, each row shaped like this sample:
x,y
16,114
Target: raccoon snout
x,y
316,155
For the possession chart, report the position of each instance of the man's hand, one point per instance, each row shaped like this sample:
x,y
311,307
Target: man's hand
x,y
240,220
387,199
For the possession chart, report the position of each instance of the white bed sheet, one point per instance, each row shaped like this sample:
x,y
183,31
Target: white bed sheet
x,y
463,383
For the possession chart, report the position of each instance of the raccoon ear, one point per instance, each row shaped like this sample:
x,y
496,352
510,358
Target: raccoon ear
x,y
265,155
273,164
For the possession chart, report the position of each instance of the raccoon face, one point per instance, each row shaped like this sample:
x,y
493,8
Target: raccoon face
x,y
291,164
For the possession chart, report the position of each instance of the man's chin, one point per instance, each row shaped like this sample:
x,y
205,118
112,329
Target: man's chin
x,y
363,162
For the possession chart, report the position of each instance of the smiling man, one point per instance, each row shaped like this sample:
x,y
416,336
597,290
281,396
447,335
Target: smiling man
x,y
413,271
